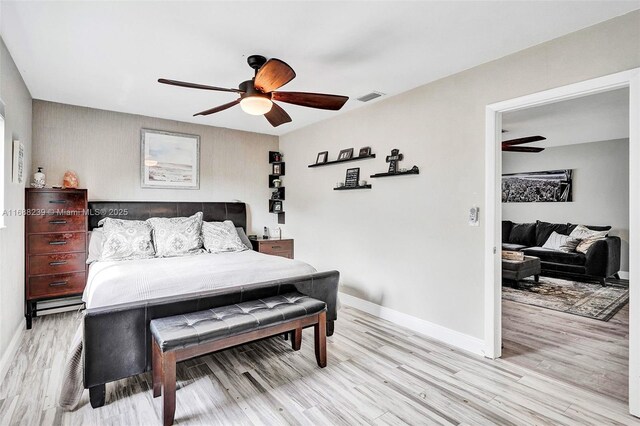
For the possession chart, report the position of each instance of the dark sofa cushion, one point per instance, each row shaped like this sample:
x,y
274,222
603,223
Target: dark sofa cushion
x,y
555,256
506,230
523,233
593,228
545,229
512,247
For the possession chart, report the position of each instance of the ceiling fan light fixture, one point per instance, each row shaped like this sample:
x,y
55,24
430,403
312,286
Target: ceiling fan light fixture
x,y
256,105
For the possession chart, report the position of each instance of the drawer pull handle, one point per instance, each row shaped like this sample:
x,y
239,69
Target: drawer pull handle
x,y
275,247
58,283
57,263
58,201
57,222
57,243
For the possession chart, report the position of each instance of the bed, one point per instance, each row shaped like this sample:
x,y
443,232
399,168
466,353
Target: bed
x,y
123,297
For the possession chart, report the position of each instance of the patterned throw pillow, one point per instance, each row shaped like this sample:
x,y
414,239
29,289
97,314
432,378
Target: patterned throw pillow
x,y
561,242
177,236
221,237
126,240
588,237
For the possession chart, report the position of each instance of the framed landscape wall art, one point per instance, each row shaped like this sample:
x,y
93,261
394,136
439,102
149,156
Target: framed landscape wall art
x,y
18,162
169,160
535,187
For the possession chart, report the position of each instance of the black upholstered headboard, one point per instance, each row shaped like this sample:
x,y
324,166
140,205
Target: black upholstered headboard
x,y
142,210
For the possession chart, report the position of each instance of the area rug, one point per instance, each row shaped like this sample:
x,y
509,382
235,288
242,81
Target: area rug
x,y
573,297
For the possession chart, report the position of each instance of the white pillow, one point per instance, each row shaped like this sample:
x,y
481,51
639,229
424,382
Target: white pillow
x,y
126,240
177,236
588,237
221,237
561,242
96,240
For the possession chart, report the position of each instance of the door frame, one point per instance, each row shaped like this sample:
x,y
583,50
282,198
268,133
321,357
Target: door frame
x,y
493,213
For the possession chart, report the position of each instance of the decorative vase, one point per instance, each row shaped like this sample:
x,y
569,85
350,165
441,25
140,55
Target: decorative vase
x,y
38,179
277,183
70,180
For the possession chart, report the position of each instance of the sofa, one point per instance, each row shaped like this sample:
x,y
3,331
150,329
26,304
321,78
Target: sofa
x,y
601,261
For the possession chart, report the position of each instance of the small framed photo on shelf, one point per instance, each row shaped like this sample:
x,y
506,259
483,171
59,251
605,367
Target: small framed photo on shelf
x,y
345,154
365,152
277,169
322,157
352,178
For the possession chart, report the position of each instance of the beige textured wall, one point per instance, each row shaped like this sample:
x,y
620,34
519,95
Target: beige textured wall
x,y
103,148
405,244
600,187
17,100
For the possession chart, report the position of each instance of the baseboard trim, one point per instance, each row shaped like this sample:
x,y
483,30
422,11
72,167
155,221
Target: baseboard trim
x,y
429,329
624,275
12,349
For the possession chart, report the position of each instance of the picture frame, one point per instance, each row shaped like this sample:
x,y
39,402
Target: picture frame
x,y
277,206
18,162
322,157
352,177
277,169
169,160
345,154
364,151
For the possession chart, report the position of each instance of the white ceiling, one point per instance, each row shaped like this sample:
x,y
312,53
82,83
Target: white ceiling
x,y
109,55
593,118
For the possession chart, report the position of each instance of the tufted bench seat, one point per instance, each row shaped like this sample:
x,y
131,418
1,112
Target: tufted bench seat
x,y
182,337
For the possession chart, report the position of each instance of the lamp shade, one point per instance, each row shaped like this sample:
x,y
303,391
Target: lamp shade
x,y
256,105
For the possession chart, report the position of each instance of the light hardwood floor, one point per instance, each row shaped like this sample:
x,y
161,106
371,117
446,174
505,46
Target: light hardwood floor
x,y
377,374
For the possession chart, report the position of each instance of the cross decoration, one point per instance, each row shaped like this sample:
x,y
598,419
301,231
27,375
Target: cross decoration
x,y
393,160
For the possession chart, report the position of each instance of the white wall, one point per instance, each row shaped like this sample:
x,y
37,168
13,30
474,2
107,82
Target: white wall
x,y
405,244
103,148
600,187
17,99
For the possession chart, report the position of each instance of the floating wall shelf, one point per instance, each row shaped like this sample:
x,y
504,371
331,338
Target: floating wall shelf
x,y
415,171
345,188
328,163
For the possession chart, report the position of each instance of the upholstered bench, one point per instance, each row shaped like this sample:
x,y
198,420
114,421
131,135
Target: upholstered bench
x,y
182,337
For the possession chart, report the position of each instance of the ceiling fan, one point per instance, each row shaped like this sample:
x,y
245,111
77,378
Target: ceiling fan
x,y
510,145
257,95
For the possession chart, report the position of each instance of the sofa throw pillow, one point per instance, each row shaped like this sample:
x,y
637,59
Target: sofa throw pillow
x,y
177,236
221,237
544,230
588,236
523,234
561,242
126,240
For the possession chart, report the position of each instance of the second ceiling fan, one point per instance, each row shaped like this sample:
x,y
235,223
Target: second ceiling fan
x,y
512,144
257,95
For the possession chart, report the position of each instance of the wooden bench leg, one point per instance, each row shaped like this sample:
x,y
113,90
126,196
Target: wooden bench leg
x,y
168,387
156,364
296,339
320,333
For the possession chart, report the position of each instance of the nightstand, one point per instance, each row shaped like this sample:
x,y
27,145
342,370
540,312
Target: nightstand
x,y
282,248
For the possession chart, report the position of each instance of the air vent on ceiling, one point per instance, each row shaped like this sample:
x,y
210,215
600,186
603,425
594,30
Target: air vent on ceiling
x,y
370,96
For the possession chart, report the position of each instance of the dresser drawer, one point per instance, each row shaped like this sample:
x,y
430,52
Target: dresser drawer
x,y
282,248
56,285
57,243
56,223
57,263
58,200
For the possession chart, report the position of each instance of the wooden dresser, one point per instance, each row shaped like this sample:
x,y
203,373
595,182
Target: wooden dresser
x,y
55,245
282,248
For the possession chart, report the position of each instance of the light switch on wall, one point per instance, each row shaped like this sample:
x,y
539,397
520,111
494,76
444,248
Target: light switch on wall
x,y
473,216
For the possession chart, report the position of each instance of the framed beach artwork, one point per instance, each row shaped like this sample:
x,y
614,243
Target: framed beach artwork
x,y
169,160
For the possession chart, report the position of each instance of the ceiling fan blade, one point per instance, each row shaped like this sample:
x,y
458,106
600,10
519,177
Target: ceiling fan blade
x,y
273,75
277,116
196,86
219,108
311,100
522,149
520,141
